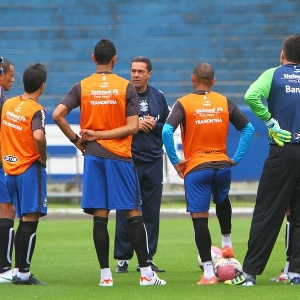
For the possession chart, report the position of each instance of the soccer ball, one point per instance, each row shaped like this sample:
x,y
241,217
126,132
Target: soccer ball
x,y
216,254
227,272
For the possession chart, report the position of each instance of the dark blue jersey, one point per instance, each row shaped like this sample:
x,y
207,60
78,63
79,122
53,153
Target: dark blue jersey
x,y
281,88
284,99
148,146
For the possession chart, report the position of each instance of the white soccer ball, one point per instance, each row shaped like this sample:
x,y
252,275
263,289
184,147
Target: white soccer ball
x,y
229,261
216,255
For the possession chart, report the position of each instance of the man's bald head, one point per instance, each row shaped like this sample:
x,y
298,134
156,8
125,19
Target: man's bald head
x,y
203,76
204,71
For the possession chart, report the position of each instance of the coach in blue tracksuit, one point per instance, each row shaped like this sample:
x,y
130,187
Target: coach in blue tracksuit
x,y
147,154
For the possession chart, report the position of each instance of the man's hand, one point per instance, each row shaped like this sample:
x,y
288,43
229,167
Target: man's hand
x,y
232,162
280,138
147,124
181,166
43,162
279,135
81,144
88,135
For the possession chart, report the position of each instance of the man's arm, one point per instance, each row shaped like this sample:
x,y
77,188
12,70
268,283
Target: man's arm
x,y
38,132
162,117
59,117
41,145
257,91
242,124
168,140
261,89
245,138
131,127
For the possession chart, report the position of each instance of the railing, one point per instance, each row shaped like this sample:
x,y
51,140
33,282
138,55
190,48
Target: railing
x,y
165,195
65,169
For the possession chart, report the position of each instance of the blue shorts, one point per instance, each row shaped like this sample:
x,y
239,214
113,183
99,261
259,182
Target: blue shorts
x,y
201,185
4,195
28,190
109,184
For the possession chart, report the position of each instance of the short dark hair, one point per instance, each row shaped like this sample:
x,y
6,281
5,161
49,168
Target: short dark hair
x,y
143,59
204,71
291,48
6,65
104,51
33,77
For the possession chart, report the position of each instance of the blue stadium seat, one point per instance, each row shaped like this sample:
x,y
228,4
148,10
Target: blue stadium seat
x,y
239,39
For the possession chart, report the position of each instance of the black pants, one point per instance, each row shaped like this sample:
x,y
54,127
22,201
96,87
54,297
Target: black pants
x,y
150,177
279,187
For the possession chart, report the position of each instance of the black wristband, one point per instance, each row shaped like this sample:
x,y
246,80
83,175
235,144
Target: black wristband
x,y
75,139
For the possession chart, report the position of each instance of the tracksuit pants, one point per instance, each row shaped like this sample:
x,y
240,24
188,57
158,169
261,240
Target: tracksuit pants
x,y
150,176
278,189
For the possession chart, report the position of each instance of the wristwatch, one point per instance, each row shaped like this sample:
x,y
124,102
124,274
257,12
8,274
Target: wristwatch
x,y
74,141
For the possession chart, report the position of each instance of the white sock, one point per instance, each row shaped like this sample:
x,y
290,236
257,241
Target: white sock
x,y
15,272
226,240
293,275
146,272
106,274
286,269
122,262
23,276
247,275
208,269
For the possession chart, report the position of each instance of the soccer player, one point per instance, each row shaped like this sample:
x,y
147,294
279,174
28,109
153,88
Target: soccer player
x,y
7,209
204,117
279,185
109,116
147,155
24,161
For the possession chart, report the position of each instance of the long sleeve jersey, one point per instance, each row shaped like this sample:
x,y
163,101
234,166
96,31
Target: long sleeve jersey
x,y
280,87
148,146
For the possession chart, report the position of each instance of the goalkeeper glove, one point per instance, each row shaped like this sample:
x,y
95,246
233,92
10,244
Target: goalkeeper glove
x,y
280,138
279,135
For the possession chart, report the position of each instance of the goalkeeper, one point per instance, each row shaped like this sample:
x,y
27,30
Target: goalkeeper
x,y
279,186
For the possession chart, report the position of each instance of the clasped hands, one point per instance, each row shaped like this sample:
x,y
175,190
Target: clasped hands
x,y
147,124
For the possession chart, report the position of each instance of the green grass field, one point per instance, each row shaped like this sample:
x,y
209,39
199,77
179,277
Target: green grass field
x,y
65,258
